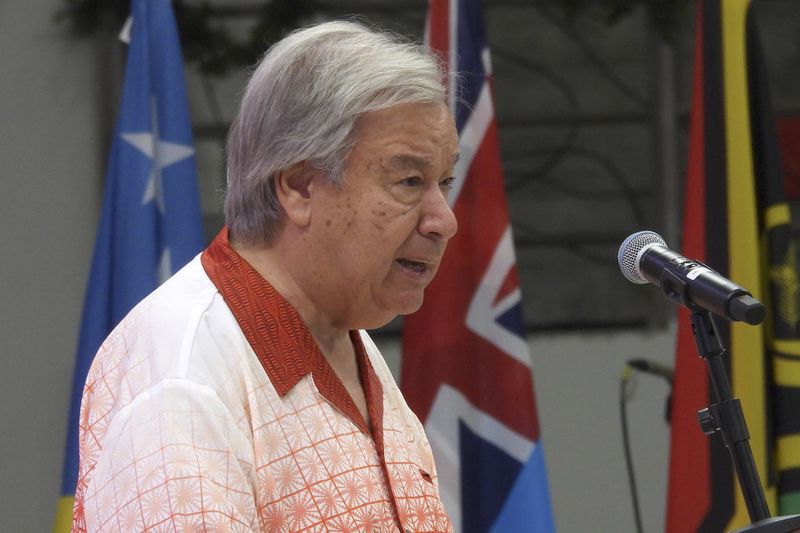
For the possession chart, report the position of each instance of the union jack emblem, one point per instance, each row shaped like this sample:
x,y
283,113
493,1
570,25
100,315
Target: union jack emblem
x,y
466,365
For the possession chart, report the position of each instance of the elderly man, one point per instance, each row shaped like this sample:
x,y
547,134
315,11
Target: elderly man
x,y
243,394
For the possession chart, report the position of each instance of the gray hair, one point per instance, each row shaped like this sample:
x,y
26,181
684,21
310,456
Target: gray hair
x,y
302,104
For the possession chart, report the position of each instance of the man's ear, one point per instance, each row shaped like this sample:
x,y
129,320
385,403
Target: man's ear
x,y
293,187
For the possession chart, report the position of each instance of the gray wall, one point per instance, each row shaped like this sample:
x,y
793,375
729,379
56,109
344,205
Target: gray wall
x,y
50,158
54,116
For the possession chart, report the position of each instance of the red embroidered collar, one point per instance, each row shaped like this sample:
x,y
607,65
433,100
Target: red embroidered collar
x,y
281,340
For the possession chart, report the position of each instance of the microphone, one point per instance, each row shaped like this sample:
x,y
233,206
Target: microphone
x,y
644,258
651,367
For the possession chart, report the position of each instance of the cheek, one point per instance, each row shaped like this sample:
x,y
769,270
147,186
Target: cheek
x,y
341,223
366,234
388,219
379,218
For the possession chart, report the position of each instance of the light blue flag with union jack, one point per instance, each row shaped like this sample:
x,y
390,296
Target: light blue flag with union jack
x,y
466,367
150,225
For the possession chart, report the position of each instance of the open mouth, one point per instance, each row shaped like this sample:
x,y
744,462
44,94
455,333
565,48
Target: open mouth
x,y
414,266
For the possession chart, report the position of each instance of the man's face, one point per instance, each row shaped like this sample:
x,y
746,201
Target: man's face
x,y
385,230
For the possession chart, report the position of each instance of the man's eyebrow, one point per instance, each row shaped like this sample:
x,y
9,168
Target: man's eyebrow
x,y
413,161
409,161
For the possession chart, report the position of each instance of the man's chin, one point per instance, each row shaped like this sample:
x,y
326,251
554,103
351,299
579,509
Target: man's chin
x,y
380,319
411,306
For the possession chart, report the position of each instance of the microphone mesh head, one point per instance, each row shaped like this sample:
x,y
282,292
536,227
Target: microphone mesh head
x,y
630,252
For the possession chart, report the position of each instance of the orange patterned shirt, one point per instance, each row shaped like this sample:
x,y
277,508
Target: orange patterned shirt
x,y
211,408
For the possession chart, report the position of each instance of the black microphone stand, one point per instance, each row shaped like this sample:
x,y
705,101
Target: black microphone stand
x,y
726,416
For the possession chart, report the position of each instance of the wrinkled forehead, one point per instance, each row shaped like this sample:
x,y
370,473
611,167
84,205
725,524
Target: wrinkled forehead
x,y
410,113
404,161
412,135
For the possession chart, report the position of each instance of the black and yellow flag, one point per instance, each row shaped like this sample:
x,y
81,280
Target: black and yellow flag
x,y
736,220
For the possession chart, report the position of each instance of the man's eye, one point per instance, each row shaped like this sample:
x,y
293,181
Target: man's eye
x,y
447,184
411,181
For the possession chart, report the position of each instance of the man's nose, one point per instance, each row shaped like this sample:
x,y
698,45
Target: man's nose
x,y
438,220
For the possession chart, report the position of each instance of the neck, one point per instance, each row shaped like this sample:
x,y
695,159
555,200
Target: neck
x,y
270,261
275,264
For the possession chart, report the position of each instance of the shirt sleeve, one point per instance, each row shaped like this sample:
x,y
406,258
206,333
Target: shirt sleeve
x,y
173,459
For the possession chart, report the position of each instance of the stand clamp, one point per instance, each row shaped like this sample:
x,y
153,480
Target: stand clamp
x,y
726,417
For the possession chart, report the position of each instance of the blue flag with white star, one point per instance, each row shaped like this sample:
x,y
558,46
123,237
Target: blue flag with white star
x,y
150,224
